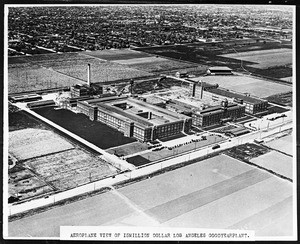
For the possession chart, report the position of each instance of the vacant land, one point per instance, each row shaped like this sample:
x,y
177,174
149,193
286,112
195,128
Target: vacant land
x,y
68,169
211,54
30,143
248,84
277,162
219,192
264,58
283,144
101,71
33,78
58,70
116,54
95,132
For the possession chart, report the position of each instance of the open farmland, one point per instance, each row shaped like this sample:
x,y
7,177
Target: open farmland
x,y
36,78
211,54
264,58
101,71
277,162
116,54
248,84
68,169
58,70
220,192
29,143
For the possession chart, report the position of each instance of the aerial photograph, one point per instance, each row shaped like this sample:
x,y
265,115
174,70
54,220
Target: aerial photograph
x,y
155,116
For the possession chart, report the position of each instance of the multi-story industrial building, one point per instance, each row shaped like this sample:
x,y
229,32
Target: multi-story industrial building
x,y
135,118
252,105
218,114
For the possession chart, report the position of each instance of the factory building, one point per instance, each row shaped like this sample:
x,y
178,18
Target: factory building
x,y
252,105
218,114
135,118
222,70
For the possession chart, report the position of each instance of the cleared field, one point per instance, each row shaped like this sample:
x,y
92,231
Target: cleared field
x,y
283,144
140,60
100,70
68,169
220,192
116,54
43,58
277,162
247,84
29,143
36,78
264,58
211,54
57,70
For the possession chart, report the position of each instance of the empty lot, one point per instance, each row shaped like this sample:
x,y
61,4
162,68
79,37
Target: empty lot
x,y
30,143
283,144
220,192
277,162
264,58
248,84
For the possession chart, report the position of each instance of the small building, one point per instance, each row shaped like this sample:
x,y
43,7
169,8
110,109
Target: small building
x,y
182,74
25,98
79,90
222,70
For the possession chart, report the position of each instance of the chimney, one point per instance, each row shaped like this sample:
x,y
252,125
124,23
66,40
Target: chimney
x,y
201,93
89,75
149,115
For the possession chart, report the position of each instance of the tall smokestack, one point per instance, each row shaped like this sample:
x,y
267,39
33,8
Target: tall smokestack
x,y
201,93
89,75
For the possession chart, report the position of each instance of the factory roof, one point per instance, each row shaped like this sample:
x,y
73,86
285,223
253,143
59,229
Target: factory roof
x,y
220,68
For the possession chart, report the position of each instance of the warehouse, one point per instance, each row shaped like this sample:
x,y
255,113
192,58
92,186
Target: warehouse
x,y
252,105
218,114
135,118
222,70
